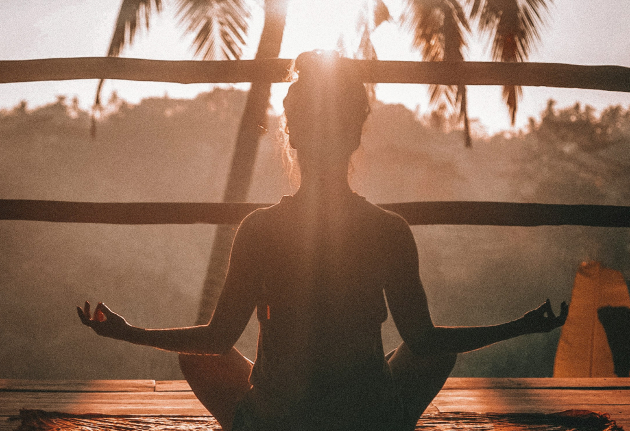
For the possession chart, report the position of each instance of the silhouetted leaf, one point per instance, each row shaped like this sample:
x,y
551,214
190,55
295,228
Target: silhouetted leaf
x,y
132,13
381,13
439,29
220,26
513,27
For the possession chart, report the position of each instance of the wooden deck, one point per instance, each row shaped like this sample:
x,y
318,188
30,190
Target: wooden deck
x,y
174,398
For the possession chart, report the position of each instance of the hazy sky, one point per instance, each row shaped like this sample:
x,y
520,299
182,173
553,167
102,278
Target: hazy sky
x,y
578,32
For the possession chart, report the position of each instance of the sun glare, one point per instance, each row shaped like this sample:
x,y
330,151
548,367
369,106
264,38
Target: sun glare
x,y
320,25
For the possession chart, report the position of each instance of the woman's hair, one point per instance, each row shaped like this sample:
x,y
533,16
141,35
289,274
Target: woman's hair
x,y
328,97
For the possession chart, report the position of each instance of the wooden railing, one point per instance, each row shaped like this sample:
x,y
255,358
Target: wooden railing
x,y
416,213
609,78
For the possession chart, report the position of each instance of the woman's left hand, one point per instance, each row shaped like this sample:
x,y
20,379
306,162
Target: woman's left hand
x,y
104,321
543,319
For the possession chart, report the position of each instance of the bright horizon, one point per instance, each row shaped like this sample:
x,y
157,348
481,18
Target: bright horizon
x,y
41,29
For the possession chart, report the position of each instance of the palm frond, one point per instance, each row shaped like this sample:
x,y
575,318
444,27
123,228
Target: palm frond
x,y
439,29
220,26
371,15
132,14
381,13
514,28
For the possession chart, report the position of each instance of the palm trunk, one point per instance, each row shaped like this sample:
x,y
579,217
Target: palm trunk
x,y
464,114
253,125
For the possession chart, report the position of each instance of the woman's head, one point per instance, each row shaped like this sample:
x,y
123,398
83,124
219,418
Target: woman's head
x,y
326,107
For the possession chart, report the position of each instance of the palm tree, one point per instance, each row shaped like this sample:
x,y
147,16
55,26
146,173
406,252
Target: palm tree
x,y
253,122
220,28
440,28
513,26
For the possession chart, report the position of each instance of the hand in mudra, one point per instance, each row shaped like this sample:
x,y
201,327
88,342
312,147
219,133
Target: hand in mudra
x,y
104,321
543,319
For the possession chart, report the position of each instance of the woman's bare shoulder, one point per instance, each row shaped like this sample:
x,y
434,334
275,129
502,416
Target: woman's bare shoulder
x,y
386,218
261,218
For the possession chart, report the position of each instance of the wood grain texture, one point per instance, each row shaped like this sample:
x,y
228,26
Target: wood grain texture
x,y
77,385
605,77
174,398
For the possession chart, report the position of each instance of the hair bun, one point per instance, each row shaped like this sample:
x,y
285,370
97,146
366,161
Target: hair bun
x,y
314,63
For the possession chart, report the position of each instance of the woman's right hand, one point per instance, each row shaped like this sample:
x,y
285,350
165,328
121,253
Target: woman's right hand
x,y
104,321
543,319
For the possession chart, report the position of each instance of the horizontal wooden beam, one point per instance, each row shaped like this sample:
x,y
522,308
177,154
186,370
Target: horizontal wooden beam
x,y
611,78
416,213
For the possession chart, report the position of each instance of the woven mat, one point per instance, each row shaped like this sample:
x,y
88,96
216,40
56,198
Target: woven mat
x,y
572,420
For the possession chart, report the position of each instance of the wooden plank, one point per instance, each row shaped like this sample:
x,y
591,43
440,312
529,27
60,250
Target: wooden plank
x,y
416,213
610,78
172,386
537,383
77,385
115,403
535,397
146,397
8,425
481,383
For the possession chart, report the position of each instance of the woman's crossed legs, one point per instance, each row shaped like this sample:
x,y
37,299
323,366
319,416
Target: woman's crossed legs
x,y
221,381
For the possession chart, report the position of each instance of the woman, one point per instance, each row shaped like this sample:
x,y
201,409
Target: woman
x,y
317,268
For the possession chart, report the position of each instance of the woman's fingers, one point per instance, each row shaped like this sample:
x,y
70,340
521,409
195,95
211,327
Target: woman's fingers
x,y
543,319
549,310
101,313
557,321
84,319
564,312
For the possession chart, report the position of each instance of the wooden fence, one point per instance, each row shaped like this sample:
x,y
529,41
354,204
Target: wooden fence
x,y
416,213
609,78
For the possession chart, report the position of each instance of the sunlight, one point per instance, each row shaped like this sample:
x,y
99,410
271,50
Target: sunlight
x,y
318,25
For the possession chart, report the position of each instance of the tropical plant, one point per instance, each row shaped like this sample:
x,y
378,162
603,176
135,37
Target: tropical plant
x,y
514,28
441,27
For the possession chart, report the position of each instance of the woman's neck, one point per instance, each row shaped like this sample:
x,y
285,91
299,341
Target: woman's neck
x,y
324,185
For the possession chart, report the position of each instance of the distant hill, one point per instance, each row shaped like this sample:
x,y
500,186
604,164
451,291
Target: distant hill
x,y
179,150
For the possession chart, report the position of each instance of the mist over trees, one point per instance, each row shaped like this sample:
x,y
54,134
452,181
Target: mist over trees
x,y
167,149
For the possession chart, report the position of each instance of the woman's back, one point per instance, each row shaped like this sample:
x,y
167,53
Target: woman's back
x,y
320,308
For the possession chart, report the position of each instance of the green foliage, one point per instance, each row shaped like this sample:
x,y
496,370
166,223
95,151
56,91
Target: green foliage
x,y
581,127
576,155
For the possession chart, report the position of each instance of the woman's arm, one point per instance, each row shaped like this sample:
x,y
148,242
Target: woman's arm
x,y
465,339
234,308
408,305
195,339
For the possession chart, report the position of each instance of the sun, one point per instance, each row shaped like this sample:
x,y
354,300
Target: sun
x,y
320,25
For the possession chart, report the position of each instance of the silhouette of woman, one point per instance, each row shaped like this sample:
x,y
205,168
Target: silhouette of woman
x,y
318,268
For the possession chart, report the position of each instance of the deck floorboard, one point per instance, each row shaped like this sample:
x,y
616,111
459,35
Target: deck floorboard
x,y
174,398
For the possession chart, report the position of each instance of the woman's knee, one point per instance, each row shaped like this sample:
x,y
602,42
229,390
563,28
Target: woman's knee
x,y
218,381
229,370
437,364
